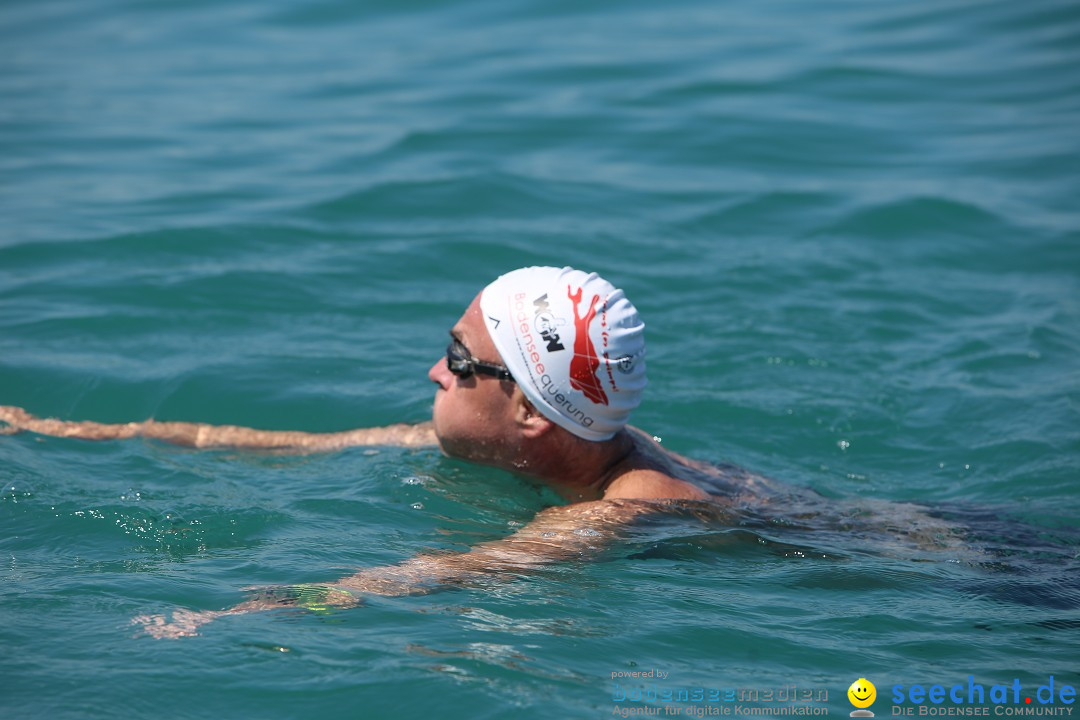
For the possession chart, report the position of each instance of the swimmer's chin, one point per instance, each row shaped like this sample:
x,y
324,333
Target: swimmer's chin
x,y
448,450
439,441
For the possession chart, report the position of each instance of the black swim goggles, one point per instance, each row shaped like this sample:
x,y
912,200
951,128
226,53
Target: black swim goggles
x,y
461,362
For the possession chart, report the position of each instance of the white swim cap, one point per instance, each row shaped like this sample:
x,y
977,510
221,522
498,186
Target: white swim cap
x,y
573,343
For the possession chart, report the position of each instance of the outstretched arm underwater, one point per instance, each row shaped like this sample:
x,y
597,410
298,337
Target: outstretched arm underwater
x,y
556,534
201,435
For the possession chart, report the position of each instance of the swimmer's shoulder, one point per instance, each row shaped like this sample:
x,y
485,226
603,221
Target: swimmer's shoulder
x,y
648,484
699,479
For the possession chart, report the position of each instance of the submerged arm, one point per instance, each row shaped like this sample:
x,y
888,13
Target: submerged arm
x,y
556,534
201,435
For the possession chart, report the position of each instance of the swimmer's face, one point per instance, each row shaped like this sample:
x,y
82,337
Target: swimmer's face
x,y
862,693
472,415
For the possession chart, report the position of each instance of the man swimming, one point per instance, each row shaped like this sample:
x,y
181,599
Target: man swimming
x,y
563,368
540,377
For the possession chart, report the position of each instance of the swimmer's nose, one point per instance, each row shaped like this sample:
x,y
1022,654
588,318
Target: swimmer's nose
x,y
440,374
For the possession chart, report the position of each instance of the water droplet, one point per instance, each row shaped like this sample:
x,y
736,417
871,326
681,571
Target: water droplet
x,y
17,491
171,518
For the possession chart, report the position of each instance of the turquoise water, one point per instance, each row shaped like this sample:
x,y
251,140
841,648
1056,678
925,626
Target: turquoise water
x,y
851,229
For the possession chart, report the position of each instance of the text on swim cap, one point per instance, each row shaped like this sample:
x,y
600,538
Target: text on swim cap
x,y
522,319
564,402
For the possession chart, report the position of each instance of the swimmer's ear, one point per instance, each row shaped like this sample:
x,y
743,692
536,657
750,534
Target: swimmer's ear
x,y
530,421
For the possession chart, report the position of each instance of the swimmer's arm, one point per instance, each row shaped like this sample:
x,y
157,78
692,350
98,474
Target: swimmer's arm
x,y
201,435
184,623
556,534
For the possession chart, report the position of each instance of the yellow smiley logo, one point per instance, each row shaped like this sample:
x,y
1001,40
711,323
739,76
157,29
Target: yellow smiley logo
x,y
862,693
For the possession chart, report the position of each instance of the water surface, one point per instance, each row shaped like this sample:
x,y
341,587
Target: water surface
x,y
850,228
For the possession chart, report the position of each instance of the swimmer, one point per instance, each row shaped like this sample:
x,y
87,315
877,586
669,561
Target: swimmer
x,y
540,377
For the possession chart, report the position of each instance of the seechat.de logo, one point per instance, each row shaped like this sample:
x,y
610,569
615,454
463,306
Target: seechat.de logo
x,y
862,694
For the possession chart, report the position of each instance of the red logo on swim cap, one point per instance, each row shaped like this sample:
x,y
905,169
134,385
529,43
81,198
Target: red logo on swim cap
x,y
584,364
